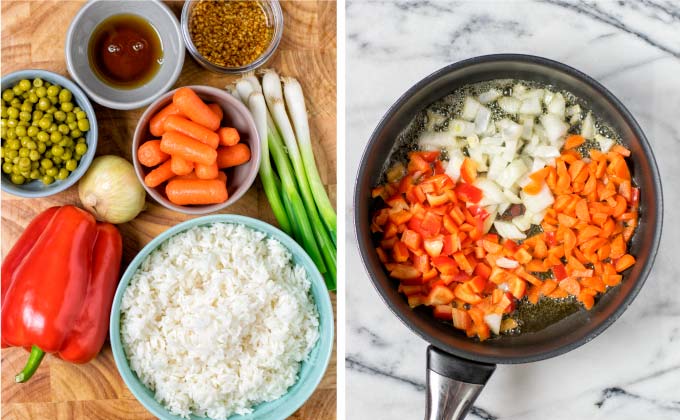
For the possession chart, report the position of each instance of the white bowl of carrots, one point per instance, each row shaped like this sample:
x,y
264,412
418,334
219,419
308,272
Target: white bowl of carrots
x,y
196,150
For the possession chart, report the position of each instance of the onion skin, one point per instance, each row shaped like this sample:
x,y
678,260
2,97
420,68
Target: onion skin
x,y
111,191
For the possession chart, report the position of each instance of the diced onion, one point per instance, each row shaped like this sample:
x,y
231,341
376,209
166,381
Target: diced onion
x,y
507,263
538,202
554,126
482,119
435,139
470,107
531,106
588,127
509,104
557,105
605,142
494,322
489,96
508,231
461,128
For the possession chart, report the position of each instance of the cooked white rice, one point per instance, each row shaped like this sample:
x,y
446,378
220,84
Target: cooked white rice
x,y
217,320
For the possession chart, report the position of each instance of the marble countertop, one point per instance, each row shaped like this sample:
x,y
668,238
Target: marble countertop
x,y
632,370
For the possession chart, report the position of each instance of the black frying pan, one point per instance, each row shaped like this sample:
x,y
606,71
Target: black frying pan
x,y
459,367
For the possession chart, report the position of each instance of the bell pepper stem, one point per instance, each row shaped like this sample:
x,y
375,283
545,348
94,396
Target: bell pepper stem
x,y
31,365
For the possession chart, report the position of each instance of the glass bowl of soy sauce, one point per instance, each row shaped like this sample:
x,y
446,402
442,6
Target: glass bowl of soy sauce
x,y
124,55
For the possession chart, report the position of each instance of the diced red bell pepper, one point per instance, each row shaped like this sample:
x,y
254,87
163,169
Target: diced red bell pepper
x,y
400,252
443,312
550,239
422,263
431,224
415,300
507,303
411,239
445,265
468,171
430,274
559,272
463,262
511,246
465,293
468,193
451,244
397,202
437,200
418,164
411,289
477,284
517,286
400,217
433,246
438,168
428,156
404,272
439,295
482,270
461,319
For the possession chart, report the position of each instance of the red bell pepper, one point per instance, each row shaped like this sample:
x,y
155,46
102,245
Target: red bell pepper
x,y
60,287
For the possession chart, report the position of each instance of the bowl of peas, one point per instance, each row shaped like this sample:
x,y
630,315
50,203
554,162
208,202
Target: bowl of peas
x,y
49,133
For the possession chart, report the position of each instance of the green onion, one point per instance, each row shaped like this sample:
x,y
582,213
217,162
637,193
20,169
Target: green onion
x,y
295,102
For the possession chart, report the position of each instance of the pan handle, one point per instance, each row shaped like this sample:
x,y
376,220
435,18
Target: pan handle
x,y
453,384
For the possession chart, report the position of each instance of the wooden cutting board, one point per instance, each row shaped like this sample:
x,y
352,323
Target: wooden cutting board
x,y
33,35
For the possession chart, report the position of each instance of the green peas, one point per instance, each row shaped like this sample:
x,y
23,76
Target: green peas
x,y
67,106
53,91
68,154
35,174
55,137
71,165
44,104
81,115
71,117
33,98
81,149
46,163
57,150
24,162
20,131
12,154
17,90
15,144
53,128
37,115
24,84
15,167
83,125
47,179
12,113
76,133
44,123
3,112
41,91
8,95
57,160
63,129
17,179
43,136
73,126
41,148
23,152
31,145
37,82
26,107
34,155
63,174
48,154
25,116
12,123
65,96
16,102
60,116
7,168
32,131
51,171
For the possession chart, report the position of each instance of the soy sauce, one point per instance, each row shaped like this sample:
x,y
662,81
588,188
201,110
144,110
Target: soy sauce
x,y
125,51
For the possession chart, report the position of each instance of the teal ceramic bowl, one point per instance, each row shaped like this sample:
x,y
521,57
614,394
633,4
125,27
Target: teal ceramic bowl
x,y
312,369
36,188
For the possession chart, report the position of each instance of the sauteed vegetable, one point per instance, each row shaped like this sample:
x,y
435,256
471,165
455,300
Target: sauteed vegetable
x,y
451,250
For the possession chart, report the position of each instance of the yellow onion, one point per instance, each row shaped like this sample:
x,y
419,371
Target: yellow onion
x,y
111,191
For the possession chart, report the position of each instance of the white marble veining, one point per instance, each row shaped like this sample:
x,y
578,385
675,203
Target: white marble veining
x,y
632,370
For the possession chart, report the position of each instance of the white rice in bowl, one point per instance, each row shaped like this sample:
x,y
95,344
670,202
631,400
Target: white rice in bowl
x,y
217,320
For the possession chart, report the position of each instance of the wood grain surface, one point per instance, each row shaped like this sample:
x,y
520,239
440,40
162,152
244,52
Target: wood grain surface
x,y
33,35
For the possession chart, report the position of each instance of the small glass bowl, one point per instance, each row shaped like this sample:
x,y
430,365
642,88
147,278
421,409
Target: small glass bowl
x,y
272,9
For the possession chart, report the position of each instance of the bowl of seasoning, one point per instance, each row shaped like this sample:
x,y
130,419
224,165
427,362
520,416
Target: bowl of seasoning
x,y
124,54
49,133
232,36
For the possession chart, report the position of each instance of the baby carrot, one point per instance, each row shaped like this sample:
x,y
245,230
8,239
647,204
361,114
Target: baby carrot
x,y
157,121
181,166
193,130
175,143
217,110
193,107
159,175
192,175
207,171
150,153
232,155
196,191
228,136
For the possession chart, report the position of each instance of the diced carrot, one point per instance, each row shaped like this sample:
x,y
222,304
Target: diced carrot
x,y
571,286
573,141
624,263
617,148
